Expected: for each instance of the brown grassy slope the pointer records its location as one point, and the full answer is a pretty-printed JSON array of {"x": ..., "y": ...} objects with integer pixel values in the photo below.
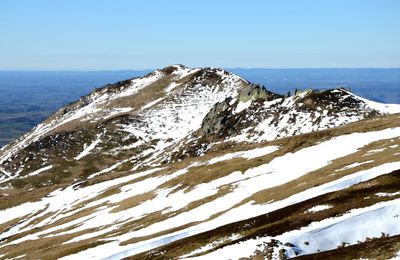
[
  {"x": 285, "y": 219},
  {"x": 378, "y": 248},
  {"x": 287, "y": 145}
]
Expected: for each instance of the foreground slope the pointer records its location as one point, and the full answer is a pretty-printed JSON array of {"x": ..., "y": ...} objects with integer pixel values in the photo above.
[
  {"x": 301, "y": 184},
  {"x": 200, "y": 163}
]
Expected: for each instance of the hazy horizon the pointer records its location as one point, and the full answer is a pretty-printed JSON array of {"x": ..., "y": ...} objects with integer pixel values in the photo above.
[
  {"x": 225, "y": 68},
  {"x": 117, "y": 35}
]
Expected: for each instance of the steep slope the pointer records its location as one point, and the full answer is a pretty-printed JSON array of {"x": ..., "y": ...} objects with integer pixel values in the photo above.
[
  {"x": 135, "y": 121},
  {"x": 257, "y": 115},
  {"x": 285, "y": 179},
  {"x": 146, "y": 114},
  {"x": 259, "y": 119},
  {"x": 199, "y": 162}
]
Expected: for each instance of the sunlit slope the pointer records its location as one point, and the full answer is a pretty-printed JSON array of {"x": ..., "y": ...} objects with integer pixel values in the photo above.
[
  {"x": 201, "y": 163},
  {"x": 305, "y": 183}
]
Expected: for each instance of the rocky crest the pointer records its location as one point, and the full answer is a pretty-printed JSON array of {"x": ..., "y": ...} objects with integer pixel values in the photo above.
[
  {"x": 199, "y": 162},
  {"x": 146, "y": 121}
]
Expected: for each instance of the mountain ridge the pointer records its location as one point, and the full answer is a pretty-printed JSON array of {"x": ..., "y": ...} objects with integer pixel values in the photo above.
[
  {"x": 125, "y": 98},
  {"x": 142, "y": 163}
]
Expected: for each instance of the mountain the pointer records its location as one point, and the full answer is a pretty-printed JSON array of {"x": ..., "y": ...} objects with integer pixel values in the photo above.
[{"x": 202, "y": 163}]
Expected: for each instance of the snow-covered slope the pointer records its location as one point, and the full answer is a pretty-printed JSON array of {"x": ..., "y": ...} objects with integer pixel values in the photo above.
[
  {"x": 191, "y": 163},
  {"x": 151, "y": 112},
  {"x": 156, "y": 118},
  {"x": 257, "y": 119},
  {"x": 146, "y": 210}
]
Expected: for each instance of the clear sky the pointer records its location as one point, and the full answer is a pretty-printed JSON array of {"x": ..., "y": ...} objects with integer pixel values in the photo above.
[{"x": 141, "y": 34}]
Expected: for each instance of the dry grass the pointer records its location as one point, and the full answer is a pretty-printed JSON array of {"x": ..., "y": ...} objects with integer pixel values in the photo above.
[
  {"x": 133, "y": 201},
  {"x": 47, "y": 248},
  {"x": 330, "y": 173},
  {"x": 273, "y": 223},
  {"x": 378, "y": 248},
  {"x": 283, "y": 220}
]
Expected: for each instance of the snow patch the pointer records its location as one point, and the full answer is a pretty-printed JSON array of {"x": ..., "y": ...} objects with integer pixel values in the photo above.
[
  {"x": 152, "y": 103},
  {"x": 353, "y": 165},
  {"x": 88, "y": 148},
  {"x": 349, "y": 228},
  {"x": 385, "y": 194},
  {"x": 39, "y": 171},
  {"x": 242, "y": 106},
  {"x": 249, "y": 154},
  {"x": 319, "y": 208}
]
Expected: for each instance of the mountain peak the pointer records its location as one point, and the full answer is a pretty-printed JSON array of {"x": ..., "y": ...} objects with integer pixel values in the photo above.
[
  {"x": 173, "y": 68},
  {"x": 200, "y": 155},
  {"x": 159, "y": 111},
  {"x": 159, "y": 108}
]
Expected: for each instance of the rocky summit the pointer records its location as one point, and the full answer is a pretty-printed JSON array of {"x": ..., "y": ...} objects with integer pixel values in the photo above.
[{"x": 200, "y": 163}]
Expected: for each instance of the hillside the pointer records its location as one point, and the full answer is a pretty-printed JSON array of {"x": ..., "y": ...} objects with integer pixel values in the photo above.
[{"x": 201, "y": 163}]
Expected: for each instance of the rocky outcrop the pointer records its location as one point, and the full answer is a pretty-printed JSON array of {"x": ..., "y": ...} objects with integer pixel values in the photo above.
[
  {"x": 223, "y": 119},
  {"x": 174, "y": 113}
]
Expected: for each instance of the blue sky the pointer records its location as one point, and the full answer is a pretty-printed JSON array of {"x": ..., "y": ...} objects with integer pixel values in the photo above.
[{"x": 141, "y": 34}]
